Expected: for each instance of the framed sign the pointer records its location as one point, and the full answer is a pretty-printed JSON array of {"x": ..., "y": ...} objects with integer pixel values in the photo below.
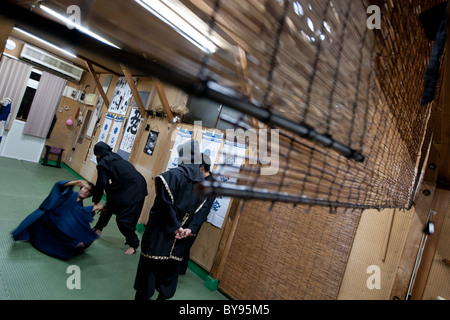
[{"x": 151, "y": 142}]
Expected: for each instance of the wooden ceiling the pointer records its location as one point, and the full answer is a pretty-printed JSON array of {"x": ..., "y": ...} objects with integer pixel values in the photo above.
[
  {"x": 245, "y": 53},
  {"x": 128, "y": 25}
]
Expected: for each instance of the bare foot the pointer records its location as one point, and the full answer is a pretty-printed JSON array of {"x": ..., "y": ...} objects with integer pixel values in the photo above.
[
  {"x": 98, "y": 232},
  {"x": 130, "y": 251}
]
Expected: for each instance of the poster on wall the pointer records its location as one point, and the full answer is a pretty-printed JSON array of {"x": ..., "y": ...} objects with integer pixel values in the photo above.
[
  {"x": 95, "y": 118},
  {"x": 114, "y": 132},
  {"x": 210, "y": 145},
  {"x": 103, "y": 133},
  {"x": 231, "y": 159},
  {"x": 129, "y": 134},
  {"x": 122, "y": 97},
  {"x": 151, "y": 142},
  {"x": 97, "y": 114},
  {"x": 183, "y": 136},
  {"x": 105, "y": 128},
  {"x": 132, "y": 127}
]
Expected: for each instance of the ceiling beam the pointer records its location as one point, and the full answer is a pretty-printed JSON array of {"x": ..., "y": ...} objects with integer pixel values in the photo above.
[
  {"x": 162, "y": 96},
  {"x": 134, "y": 90},
  {"x": 99, "y": 66},
  {"x": 444, "y": 123},
  {"x": 6, "y": 26},
  {"x": 97, "y": 82}
]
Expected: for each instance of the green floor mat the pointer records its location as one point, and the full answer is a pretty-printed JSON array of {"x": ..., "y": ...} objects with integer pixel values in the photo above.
[{"x": 105, "y": 272}]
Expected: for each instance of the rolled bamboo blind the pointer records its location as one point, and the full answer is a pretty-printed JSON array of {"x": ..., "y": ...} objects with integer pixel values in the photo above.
[
  {"x": 373, "y": 81},
  {"x": 320, "y": 65},
  {"x": 336, "y": 89}
]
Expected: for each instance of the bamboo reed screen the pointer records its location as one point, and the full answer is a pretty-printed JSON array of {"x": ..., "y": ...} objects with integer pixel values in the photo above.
[
  {"x": 284, "y": 253},
  {"x": 346, "y": 98},
  {"x": 319, "y": 65},
  {"x": 362, "y": 87}
]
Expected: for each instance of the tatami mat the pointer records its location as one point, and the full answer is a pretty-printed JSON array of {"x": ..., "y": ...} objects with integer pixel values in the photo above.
[{"x": 27, "y": 274}]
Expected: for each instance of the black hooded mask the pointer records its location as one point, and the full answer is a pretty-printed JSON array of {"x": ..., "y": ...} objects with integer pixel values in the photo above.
[
  {"x": 123, "y": 184},
  {"x": 105, "y": 153},
  {"x": 101, "y": 149},
  {"x": 189, "y": 160}
]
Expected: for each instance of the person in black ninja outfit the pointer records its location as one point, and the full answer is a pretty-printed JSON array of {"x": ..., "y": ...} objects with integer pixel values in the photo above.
[
  {"x": 125, "y": 190},
  {"x": 196, "y": 221},
  {"x": 171, "y": 218}
]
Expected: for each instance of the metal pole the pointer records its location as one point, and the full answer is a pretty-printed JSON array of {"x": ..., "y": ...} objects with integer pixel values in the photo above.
[{"x": 208, "y": 188}]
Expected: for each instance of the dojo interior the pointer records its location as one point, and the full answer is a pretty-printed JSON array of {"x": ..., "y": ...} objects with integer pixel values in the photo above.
[{"x": 328, "y": 225}]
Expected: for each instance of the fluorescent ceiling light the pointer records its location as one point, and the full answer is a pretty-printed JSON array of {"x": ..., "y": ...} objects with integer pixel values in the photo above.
[
  {"x": 172, "y": 15},
  {"x": 77, "y": 26},
  {"x": 70, "y": 54},
  {"x": 10, "y": 44}
]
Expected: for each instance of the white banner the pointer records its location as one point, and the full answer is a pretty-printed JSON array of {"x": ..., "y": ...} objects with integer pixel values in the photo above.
[
  {"x": 103, "y": 133},
  {"x": 210, "y": 146},
  {"x": 231, "y": 158},
  {"x": 105, "y": 128},
  {"x": 131, "y": 129},
  {"x": 182, "y": 137},
  {"x": 121, "y": 98},
  {"x": 114, "y": 132}
]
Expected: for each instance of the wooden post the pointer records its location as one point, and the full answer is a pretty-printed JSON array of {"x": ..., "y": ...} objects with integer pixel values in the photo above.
[
  {"x": 97, "y": 82},
  {"x": 6, "y": 26},
  {"x": 227, "y": 237},
  {"x": 440, "y": 205},
  {"x": 140, "y": 105},
  {"x": 387, "y": 235},
  {"x": 134, "y": 90}
]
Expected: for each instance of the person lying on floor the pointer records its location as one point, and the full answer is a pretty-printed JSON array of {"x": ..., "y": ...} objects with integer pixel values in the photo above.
[{"x": 60, "y": 227}]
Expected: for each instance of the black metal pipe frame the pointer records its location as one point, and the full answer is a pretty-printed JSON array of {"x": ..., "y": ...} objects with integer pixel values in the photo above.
[
  {"x": 90, "y": 48},
  {"x": 215, "y": 188}
]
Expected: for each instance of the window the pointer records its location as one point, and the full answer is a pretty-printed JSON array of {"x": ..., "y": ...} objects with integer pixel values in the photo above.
[{"x": 28, "y": 96}]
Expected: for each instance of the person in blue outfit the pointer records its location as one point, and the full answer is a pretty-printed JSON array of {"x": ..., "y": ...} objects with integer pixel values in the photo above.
[
  {"x": 5, "y": 109},
  {"x": 60, "y": 227}
]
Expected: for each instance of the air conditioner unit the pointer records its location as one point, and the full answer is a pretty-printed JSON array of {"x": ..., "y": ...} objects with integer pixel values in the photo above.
[{"x": 51, "y": 62}]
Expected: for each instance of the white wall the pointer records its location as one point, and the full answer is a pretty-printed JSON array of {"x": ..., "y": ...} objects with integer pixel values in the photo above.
[{"x": 19, "y": 146}]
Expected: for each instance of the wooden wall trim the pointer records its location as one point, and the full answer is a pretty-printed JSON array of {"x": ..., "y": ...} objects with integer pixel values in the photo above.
[
  {"x": 440, "y": 205},
  {"x": 6, "y": 26},
  {"x": 229, "y": 228},
  {"x": 163, "y": 99},
  {"x": 134, "y": 90},
  {"x": 97, "y": 82}
]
